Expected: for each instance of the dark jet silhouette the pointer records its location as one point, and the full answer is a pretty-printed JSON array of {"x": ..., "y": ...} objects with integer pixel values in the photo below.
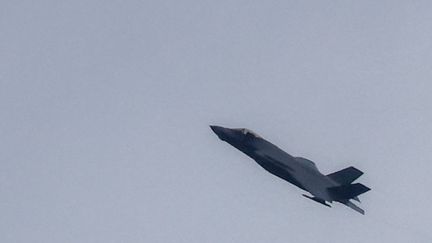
[{"x": 299, "y": 171}]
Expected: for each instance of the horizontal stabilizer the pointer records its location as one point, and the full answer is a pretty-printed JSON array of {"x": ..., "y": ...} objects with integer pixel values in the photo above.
[
  {"x": 348, "y": 191},
  {"x": 346, "y": 176},
  {"x": 355, "y": 207}
]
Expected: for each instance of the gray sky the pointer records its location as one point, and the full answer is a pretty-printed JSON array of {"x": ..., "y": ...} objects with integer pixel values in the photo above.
[{"x": 105, "y": 107}]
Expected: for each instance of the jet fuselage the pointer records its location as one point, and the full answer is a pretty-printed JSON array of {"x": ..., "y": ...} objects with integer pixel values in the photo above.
[{"x": 298, "y": 171}]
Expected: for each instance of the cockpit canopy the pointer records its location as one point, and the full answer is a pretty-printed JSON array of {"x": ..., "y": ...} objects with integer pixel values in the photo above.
[
  {"x": 306, "y": 162},
  {"x": 246, "y": 131}
]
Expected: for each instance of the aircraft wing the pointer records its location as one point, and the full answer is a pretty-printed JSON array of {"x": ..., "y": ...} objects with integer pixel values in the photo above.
[
  {"x": 348, "y": 191},
  {"x": 344, "y": 193}
]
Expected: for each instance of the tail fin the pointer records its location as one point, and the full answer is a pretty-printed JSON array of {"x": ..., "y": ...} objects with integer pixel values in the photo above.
[
  {"x": 346, "y": 176},
  {"x": 348, "y": 191}
]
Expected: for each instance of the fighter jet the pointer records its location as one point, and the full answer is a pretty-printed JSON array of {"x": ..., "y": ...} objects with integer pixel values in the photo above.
[{"x": 335, "y": 187}]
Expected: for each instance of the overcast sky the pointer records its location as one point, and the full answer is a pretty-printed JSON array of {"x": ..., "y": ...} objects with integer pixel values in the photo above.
[{"x": 105, "y": 107}]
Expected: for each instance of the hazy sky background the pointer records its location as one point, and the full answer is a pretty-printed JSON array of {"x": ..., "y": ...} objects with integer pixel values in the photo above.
[{"x": 105, "y": 107}]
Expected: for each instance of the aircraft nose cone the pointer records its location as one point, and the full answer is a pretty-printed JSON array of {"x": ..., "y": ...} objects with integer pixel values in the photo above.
[
  {"x": 222, "y": 132},
  {"x": 217, "y": 129}
]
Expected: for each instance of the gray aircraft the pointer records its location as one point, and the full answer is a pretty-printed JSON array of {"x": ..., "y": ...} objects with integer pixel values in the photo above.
[{"x": 299, "y": 171}]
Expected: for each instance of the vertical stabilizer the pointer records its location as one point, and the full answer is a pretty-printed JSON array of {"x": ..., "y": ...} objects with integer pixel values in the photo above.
[{"x": 346, "y": 176}]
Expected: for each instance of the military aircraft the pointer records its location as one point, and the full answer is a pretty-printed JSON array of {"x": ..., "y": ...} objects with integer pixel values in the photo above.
[{"x": 335, "y": 187}]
